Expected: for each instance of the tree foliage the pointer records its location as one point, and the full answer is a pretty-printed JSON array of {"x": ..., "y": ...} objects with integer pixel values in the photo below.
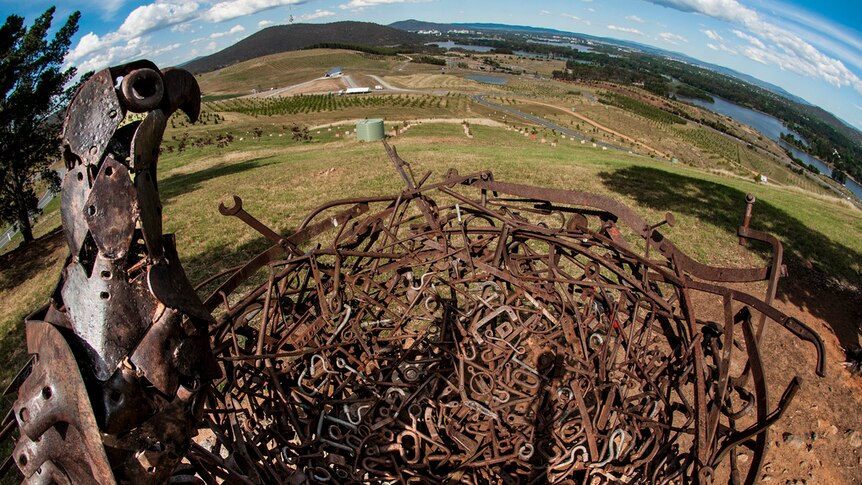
[{"x": 33, "y": 94}]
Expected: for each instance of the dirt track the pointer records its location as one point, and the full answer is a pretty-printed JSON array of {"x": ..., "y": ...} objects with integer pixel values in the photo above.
[{"x": 601, "y": 127}]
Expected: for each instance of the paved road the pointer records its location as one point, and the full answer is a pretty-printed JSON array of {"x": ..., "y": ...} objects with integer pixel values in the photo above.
[
  {"x": 480, "y": 98},
  {"x": 46, "y": 198}
]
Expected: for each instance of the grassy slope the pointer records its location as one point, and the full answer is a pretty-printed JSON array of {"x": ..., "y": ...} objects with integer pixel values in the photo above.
[
  {"x": 280, "y": 70},
  {"x": 299, "y": 177}
]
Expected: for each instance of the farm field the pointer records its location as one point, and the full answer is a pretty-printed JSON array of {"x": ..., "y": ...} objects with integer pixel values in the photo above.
[
  {"x": 280, "y": 70},
  {"x": 285, "y": 155}
]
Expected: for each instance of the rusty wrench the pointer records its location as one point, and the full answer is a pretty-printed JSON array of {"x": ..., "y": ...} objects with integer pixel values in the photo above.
[{"x": 238, "y": 211}]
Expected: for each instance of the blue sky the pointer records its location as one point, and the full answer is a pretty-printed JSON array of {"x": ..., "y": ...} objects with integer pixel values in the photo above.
[{"x": 811, "y": 48}]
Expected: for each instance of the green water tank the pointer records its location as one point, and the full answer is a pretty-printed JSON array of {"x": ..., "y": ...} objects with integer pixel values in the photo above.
[{"x": 370, "y": 130}]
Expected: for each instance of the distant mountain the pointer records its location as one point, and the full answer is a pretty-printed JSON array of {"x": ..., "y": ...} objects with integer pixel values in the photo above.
[
  {"x": 282, "y": 38},
  {"x": 414, "y": 25},
  {"x": 513, "y": 28},
  {"x": 733, "y": 73}
]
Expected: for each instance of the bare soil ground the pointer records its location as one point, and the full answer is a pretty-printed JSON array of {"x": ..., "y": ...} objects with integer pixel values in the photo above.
[
  {"x": 315, "y": 87},
  {"x": 818, "y": 440}
]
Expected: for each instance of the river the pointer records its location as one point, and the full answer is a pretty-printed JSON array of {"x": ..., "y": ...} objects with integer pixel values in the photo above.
[{"x": 771, "y": 127}]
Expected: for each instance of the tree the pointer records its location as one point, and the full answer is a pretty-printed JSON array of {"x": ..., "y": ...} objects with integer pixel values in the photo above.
[{"x": 33, "y": 95}]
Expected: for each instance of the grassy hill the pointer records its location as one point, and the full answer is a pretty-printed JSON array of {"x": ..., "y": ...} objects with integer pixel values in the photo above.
[
  {"x": 288, "y": 68},
  {"x": 283, "y": 38}
]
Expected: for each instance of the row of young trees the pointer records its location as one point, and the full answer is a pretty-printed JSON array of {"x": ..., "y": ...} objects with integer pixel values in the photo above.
[
  {"x": 314, "y": 103},
  {"x": 34, "y": 90}
]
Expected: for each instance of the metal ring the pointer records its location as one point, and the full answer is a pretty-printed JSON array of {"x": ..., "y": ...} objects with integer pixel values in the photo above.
[{"x": 142, "y": 90}]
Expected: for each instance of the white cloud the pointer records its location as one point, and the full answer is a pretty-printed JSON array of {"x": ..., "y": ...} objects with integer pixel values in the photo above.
[
  {"x": 544, "y": 12},
  {"x": 233, "y": 30},
  {"x": 231, "y": 9},
  {"x": 95, "y": 52},
  {"x": 833, "y": 37},
  {"x": 358, "y": 4},
  {"x": 727, "y": 10},
  {"x": 109, "y": 7},
  {"x": 264, "y": 23},
  {"x": 712, "y": 35},
  {"x": 625, "y": 29},
  {"x": 88, "y": 44},
  {"x": 184, "y": 28},
  {"x": 635, "y": 18},
  {"x": 750, "y": 38},
  {"x": 121, "y": 52},
  {"x": 591, "y": 9},
  {"x": 156, "y": 16},
  {"x": 770, "y": 44},
  {"x": 759, "y": 55},
  {"x": 113, "y": 55},
  {"x": 317, "y": 14},
  {"x": 131, "y": 39},
  {"x": 722, "y": 47},
  {"x": 672, "y": 38},
  {"x": 165, "y": 49},
  {"x": 576, "y": 18}
]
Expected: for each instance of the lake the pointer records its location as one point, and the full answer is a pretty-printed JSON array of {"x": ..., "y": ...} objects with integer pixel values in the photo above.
[
  {"x": 452, "y": 45},
  {"x": 488, "y": 79},
  {"x": 771, "y": 127},
  {"x": 577, "y": 47},
  {"x": 481, "y": 48}
]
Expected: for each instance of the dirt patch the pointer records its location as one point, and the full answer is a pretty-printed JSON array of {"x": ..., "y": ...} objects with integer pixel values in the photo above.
[
  {"x": 819, "y": 438},
  {"x": 320, "y": 86},
  {"x": 315, "y": 86}
]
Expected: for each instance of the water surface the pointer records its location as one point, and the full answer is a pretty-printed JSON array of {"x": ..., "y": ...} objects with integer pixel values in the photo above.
[
  {"x": 452, "y": 45},
  {"x": 488, "y": 79},
  {"x": 771, "y": 127}
]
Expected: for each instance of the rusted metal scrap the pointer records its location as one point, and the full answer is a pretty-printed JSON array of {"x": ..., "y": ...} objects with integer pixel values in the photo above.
[
  {"x": 463, "y": 330},
  {"x": 121, "y": 355}
]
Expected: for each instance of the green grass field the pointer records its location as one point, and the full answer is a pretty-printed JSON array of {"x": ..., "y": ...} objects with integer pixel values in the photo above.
[
  {"x": 300, "y": 176},
  {"x": 285, "y": 69}
]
